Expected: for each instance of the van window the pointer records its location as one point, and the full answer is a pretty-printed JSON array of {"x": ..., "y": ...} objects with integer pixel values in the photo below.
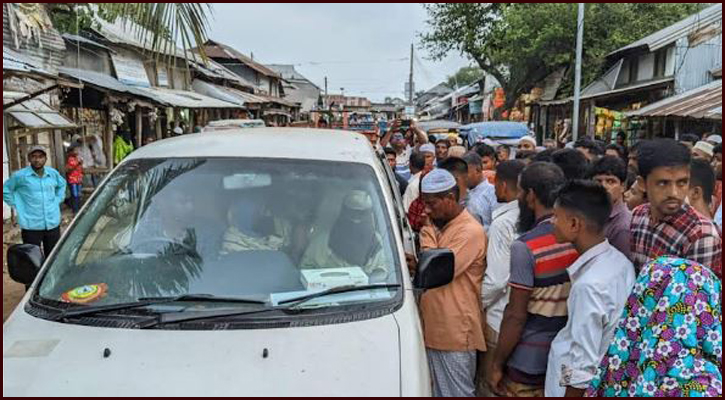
[{"x": 259, "y": 228}]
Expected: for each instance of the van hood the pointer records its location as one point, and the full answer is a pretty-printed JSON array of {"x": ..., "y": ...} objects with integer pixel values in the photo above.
[{"x": 43, "y": 358}]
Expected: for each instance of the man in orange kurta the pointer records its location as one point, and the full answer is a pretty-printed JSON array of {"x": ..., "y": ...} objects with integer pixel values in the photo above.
[{"x": 452, "y": 315}]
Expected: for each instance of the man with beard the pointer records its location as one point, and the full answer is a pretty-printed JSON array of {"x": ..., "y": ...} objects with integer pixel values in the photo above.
[
  {"x": 353, "y": 241},
  {"x": 452, "y": 317},
  {"x": 667, "y": 226},
  {"x": 539, "y": 287}
]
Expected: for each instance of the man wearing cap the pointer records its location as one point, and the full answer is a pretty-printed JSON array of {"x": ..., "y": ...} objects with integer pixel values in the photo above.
[
  {"x": 452, "y": 316},
  {"x": 36, "y": 193},
  {"x": 704, "y": 151},
  {"x": 527, "y": 143}
]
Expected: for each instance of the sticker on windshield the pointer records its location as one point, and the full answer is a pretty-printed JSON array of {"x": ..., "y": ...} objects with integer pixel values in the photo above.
[{"x": 85, "y": 294}]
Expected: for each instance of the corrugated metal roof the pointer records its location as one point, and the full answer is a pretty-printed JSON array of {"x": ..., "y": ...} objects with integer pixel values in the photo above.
[
  {"x": 644, "y": 85},
  {"x": 218, "y": 50},
  {"x": 84, "y": 41},
  {"x": 35, "y": 113},
  {"x": 97, "y": 79},
  {"x": 674, "y": 32},
  {"x": 46, "y": 51},
  {"x": 13, "y": 61},
  {"x": 697, "y": 103},
  {"x": 715, "y": 113},
  {"x": 183, "y": 99}
]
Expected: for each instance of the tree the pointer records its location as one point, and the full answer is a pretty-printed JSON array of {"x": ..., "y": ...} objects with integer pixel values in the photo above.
[
  {"x": 160, "y": 24},
  {"x": 521, "y": 44},
  {"x": 465, "y": 76}
]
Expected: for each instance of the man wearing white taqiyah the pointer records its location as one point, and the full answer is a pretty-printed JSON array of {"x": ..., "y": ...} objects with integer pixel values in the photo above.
[{"x": 452, "y": 316}]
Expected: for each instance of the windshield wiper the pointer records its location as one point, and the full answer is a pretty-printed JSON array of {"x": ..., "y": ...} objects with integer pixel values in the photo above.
[
  {"x": 337, "y": 290},
  {"x": 184, "y": 317},
  {"x": 146, "y": 302}
]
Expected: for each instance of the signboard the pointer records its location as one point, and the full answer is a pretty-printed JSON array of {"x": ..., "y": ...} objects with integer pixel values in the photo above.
[
  {"x": 130, "y": 70},
  {"x": 410, "y": 111},
  {"x": 163, "y": 76}
]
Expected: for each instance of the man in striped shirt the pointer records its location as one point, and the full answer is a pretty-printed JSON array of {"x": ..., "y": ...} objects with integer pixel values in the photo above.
[{"x": 539, "y": 285}]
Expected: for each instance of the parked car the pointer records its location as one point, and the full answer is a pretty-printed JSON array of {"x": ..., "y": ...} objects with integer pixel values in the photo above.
[
  {"x": 195, "y": 270},
  {"x": 233, "y": 124},
  {"x": 508, "y": 133}
]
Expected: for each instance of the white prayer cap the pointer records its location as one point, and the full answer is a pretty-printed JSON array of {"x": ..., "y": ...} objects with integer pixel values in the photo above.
[
  {"x": 715, "y": 139},
  {"x": 358, "y": 200},
  {"x": 437, "y": 181},
  {"x": 529, "y": 139},
  {"x": 428, "y": 148}
]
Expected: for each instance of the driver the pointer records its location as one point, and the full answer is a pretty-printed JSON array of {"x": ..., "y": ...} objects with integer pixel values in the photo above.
[
  {"x": 175, "y": 225},
  {"x": 352, "y": 241}
]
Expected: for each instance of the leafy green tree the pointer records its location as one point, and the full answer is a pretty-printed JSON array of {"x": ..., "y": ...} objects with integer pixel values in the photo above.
[
  {"x": 465, "y": 76},
  {"x": 521, "y": 44}
]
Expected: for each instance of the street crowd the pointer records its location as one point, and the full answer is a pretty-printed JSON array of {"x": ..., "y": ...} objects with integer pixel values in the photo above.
[
  {"x": 580, "y": 268},
  {"x": 589, "y": 269}
]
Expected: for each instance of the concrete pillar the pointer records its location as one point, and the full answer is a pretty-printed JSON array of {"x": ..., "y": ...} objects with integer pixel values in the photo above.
[{"x": 139, "y": 127}]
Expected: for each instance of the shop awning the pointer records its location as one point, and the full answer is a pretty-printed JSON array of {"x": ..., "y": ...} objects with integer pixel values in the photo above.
[
  {"x": 631, "y": 89},
  {"x": 697, "y": 103},
  {"x": 184, "y": 99},
  {"x": 35, "y": 113},
  {"x": 226, "y": 94}
]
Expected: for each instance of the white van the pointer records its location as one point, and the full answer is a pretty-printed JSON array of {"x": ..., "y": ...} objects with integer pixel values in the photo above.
[{"x": 207, "y": 265}]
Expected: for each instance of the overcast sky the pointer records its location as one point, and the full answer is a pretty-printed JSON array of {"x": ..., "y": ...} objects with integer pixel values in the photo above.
[{"x": 364, "y": 48}]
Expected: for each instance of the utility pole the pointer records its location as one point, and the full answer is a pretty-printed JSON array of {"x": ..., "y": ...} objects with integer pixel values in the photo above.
[
  {"x": 326, "y": 102},
  {"x": 410, "y": 81},
  {"x": 578, "y": 73}
]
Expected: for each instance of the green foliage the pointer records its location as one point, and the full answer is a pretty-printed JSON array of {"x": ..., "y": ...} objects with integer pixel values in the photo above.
[
  {"x": 521, "y": 44},
  {"x": 162, "y": 25},
  {"x": 465, "y": 76}
]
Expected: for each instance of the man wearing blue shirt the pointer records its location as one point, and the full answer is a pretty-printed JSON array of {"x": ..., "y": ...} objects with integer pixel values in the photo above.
[{"x": 36, "y": 192}]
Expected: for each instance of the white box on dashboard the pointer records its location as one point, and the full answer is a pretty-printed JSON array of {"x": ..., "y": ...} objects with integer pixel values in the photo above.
[{"x": 323, "y": 279}]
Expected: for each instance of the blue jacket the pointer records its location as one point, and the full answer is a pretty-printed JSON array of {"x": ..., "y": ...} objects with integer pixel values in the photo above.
[{"x": 36, "y": 200}]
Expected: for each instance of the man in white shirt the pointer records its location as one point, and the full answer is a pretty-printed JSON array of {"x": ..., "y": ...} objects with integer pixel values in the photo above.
[
  {"x": 601, "y": 280},
  {"x": 502, "y": 233},
  {"x": 418, "y": 169}
]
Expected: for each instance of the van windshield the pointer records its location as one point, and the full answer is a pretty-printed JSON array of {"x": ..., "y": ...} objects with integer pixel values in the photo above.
[{"x": 253, "y": 228}]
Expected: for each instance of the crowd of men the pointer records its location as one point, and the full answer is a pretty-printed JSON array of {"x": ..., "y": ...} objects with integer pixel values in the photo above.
[
  {"x": 555, "y": 254},
  {"x": 587, "y": 270}
]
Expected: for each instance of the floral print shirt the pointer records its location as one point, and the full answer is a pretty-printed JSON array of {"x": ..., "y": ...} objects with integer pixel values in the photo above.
[{"x": 669, "y": 340}]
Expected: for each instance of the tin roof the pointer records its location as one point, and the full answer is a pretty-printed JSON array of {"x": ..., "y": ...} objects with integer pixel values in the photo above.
[
  {"x": 697, "y": 103},
  {"x": 218, "y": 50},
  {"x": 16, "y": 62},
  {"x": 672, "y": 33},
  {"x": 45, "y": 50},
  {"x": 35, "y": 113}
]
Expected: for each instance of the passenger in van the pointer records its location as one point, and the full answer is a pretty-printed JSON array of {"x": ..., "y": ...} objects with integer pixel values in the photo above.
[{"x": 353, "y": 241}]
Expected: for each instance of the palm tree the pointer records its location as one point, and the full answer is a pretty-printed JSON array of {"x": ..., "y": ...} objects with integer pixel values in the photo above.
[
  {"x": 162, "y": 26},
  {"x": 166, "y": 23}
]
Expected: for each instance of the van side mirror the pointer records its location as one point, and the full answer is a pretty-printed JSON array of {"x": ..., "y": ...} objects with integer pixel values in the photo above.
[
  {"x": 24, "y": 263},
  {"x": 436, "y": 268}
]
